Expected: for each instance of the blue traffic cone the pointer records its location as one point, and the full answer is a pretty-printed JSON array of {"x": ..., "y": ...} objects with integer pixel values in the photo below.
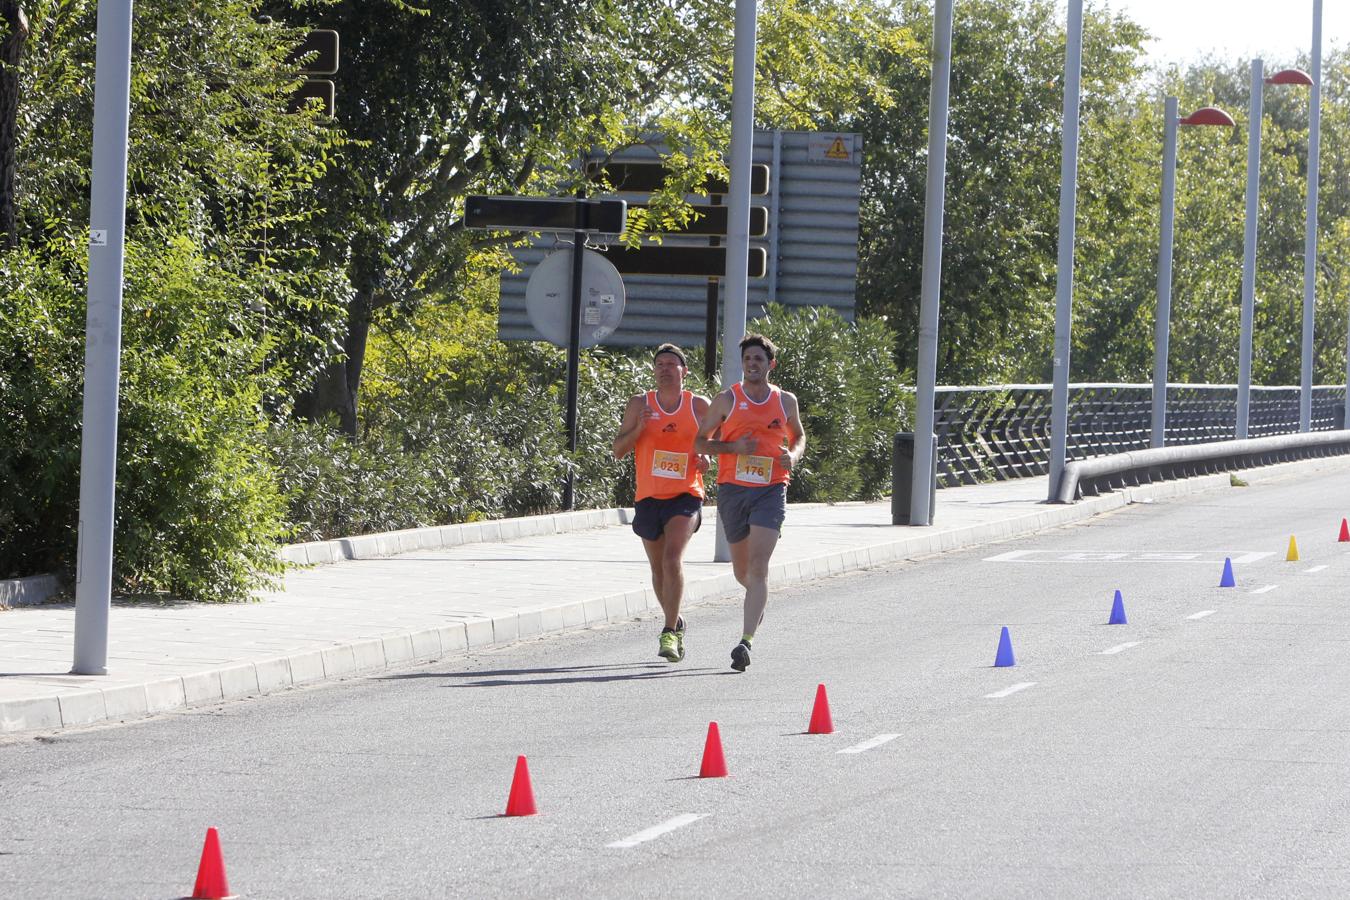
[
  {"x": 1118, "y": 612},
  {"x": 1227, "y": 579},
  {"x": 1004, "y": 657}
]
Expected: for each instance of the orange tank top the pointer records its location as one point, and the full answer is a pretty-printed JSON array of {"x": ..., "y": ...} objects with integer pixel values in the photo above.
[
  {"x": 665, "y": 451},
  {"x": 767, "y": 422}
]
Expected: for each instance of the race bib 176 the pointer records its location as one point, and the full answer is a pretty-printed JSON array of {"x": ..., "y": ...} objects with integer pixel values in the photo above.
[{"x": 754, "y": 469}]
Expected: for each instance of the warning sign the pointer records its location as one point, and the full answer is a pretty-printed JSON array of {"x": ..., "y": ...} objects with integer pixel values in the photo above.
[{"x": 831, "y": 148}]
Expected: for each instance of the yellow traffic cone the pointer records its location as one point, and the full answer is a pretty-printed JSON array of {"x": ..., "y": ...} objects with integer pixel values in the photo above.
[{"x": 1292, "y": 555}]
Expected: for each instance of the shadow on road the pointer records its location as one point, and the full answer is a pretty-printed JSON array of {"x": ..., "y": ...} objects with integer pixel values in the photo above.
[{"x": 566, "y": 675}]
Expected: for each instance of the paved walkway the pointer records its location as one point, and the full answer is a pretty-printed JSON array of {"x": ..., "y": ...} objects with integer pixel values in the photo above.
[{"x": 483, "y": 585}]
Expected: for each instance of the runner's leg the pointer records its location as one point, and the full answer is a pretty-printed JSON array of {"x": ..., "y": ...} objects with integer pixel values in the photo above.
[
  {"x": 656, "y": 551},
  {"x": 756, "y": 550},
  {"x": 678, "y": 532}
]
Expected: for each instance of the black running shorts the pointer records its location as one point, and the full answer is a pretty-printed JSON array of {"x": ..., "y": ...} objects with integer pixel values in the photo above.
[{"x": 652, "y": 514}]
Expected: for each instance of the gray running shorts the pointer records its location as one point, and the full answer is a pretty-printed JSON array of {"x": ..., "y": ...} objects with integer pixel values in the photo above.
[{"x": 739, "y": 507}]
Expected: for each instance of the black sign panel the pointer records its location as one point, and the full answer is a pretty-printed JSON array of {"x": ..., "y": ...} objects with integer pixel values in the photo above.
[
  {"x": 648, "y": 177},
  {"x": 321, "y": 48},
  {"x": 712, "y": 220},
  {"x": 544, "y": 214},
  {"x": 708, "y": 262},
  {"x": 313, "y": 89}
]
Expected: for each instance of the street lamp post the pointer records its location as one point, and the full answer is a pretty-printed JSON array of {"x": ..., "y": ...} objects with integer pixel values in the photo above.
[
  {"x": 930, "y": 289},
  {"x": 103, "y": 338},
  {"x": 1310, "y": 239},
  {"x": 1068, "y": 207},
  {"x": 1287, "y": 76},
  {"x": 1162, "y": 324},
  {"x": 736, "y": 297}
]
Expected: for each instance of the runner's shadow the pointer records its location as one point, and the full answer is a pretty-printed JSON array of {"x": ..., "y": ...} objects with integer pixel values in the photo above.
[
  {"x": 547, "y": 671},
  {"x": 598, "y": 679}
]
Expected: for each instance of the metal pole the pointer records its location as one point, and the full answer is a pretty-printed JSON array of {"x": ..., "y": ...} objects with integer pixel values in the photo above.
[
  {"x": 1249, "y": 250},
  {"x": 574, "y": 362},
  {"x": 1162, "y": 319},
  {"x": 738, "y": 209},
  {"x": 103, "y": 337},
  {"x": 930, "y": 289},
  {"x": 1068, "y": 202},
  {"x": 710, "y": 310},
  {"x": 1310, "y": 240}
]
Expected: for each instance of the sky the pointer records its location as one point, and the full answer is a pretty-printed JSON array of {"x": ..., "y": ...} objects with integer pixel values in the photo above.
[{"x": 1275, "y": 30}]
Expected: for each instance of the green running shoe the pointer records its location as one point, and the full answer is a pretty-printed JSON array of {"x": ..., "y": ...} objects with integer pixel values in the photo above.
[
  {"x": 679, "y": 636},
  {"x": 670, "y": 647}
]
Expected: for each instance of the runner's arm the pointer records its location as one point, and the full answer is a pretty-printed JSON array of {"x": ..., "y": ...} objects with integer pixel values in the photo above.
[
  {"x": 796, "y": 447},
  {"x": 701, "y": 460},
  {"x": 718, "y": 411},
  {"x": 631, "y": 426}
]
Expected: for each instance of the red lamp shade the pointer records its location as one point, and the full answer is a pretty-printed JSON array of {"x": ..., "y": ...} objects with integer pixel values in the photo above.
[
  {"x": 1208, "y": 115},
  {"x": 1291, "y": 76}
]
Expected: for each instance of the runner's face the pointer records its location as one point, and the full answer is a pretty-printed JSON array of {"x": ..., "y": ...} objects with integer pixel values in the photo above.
[
  {"x": 755, "y": 364},
  {"x": 669, "y": 371}
]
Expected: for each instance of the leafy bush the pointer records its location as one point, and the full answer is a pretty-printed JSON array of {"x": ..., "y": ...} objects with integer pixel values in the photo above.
[
  {"x": 459, "y": 426},
  {"x": 848, "y": 389},
  {"x": 198, "y": 513},
  {"x": 481, "y": 438}
]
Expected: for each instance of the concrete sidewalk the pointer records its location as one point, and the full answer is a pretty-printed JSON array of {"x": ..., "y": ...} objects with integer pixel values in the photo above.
[{"x": 489, "y": 584}]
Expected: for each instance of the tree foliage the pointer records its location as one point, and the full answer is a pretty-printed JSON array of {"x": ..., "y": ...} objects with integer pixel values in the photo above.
[{"x": 218, "y": 197}]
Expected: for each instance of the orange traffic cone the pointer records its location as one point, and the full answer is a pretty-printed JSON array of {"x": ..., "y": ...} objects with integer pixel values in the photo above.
[
  {"x": 714, "y": 762},
  {"x": 1345, "y": 532},
  {"x": 820, "y": 714},
  {"x": 211, "y": 883},
  {"x": 521, "y": 801}
]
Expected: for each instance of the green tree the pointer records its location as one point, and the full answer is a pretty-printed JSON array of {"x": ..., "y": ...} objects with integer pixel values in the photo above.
[
  {"x": 219, "y": 191},
  {"x": 1002, "y": 182}
]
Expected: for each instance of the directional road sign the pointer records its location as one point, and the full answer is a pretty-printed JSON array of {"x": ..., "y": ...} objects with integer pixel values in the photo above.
[
  {"x": 544, "y": 214},
  {"x": 708, "y": 262},
  {"x": 712, "y": 221},
  {"x": 646, "y": 177}
]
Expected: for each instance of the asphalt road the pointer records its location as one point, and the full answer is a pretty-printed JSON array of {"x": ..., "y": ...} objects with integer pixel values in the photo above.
[{"x": 1202, "y": 750}]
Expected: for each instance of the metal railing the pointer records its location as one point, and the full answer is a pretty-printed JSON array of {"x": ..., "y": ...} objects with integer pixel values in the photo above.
[{"x": 999, "y": 432}]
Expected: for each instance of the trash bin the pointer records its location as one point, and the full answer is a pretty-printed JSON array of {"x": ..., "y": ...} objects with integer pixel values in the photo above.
[{"x": 902, "y": 479}]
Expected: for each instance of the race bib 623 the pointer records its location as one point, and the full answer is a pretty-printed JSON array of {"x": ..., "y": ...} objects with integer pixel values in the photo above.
[{"x": 666, "y": 464}]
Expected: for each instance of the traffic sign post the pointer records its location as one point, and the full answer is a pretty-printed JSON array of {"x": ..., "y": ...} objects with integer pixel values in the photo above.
[
  {"x": 579, "y": 216},
  {"x": 810, "y": 242},
  {"x": 711, "y": 219}
]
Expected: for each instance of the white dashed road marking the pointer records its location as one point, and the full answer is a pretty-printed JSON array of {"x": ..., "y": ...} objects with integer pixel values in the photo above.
[
  {"x": 999, "y": 695},
  {"x": 869, "y": 744},
  {"x": 1009, "y": 556},
  {"x": 1316, "y": 569},
  {"x": 1262, "y": 590},
  {"x": 1208, "y": 557},
  {"x": 1110, "y": 651},
  {"x": 1202, "y": 613},
  {"x": 657, "y": 830}
]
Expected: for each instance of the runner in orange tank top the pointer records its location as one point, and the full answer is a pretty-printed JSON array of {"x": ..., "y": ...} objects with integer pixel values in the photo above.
[
  {"x": 660, "y": 427},
  {"x": 756, "y": 430}
]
